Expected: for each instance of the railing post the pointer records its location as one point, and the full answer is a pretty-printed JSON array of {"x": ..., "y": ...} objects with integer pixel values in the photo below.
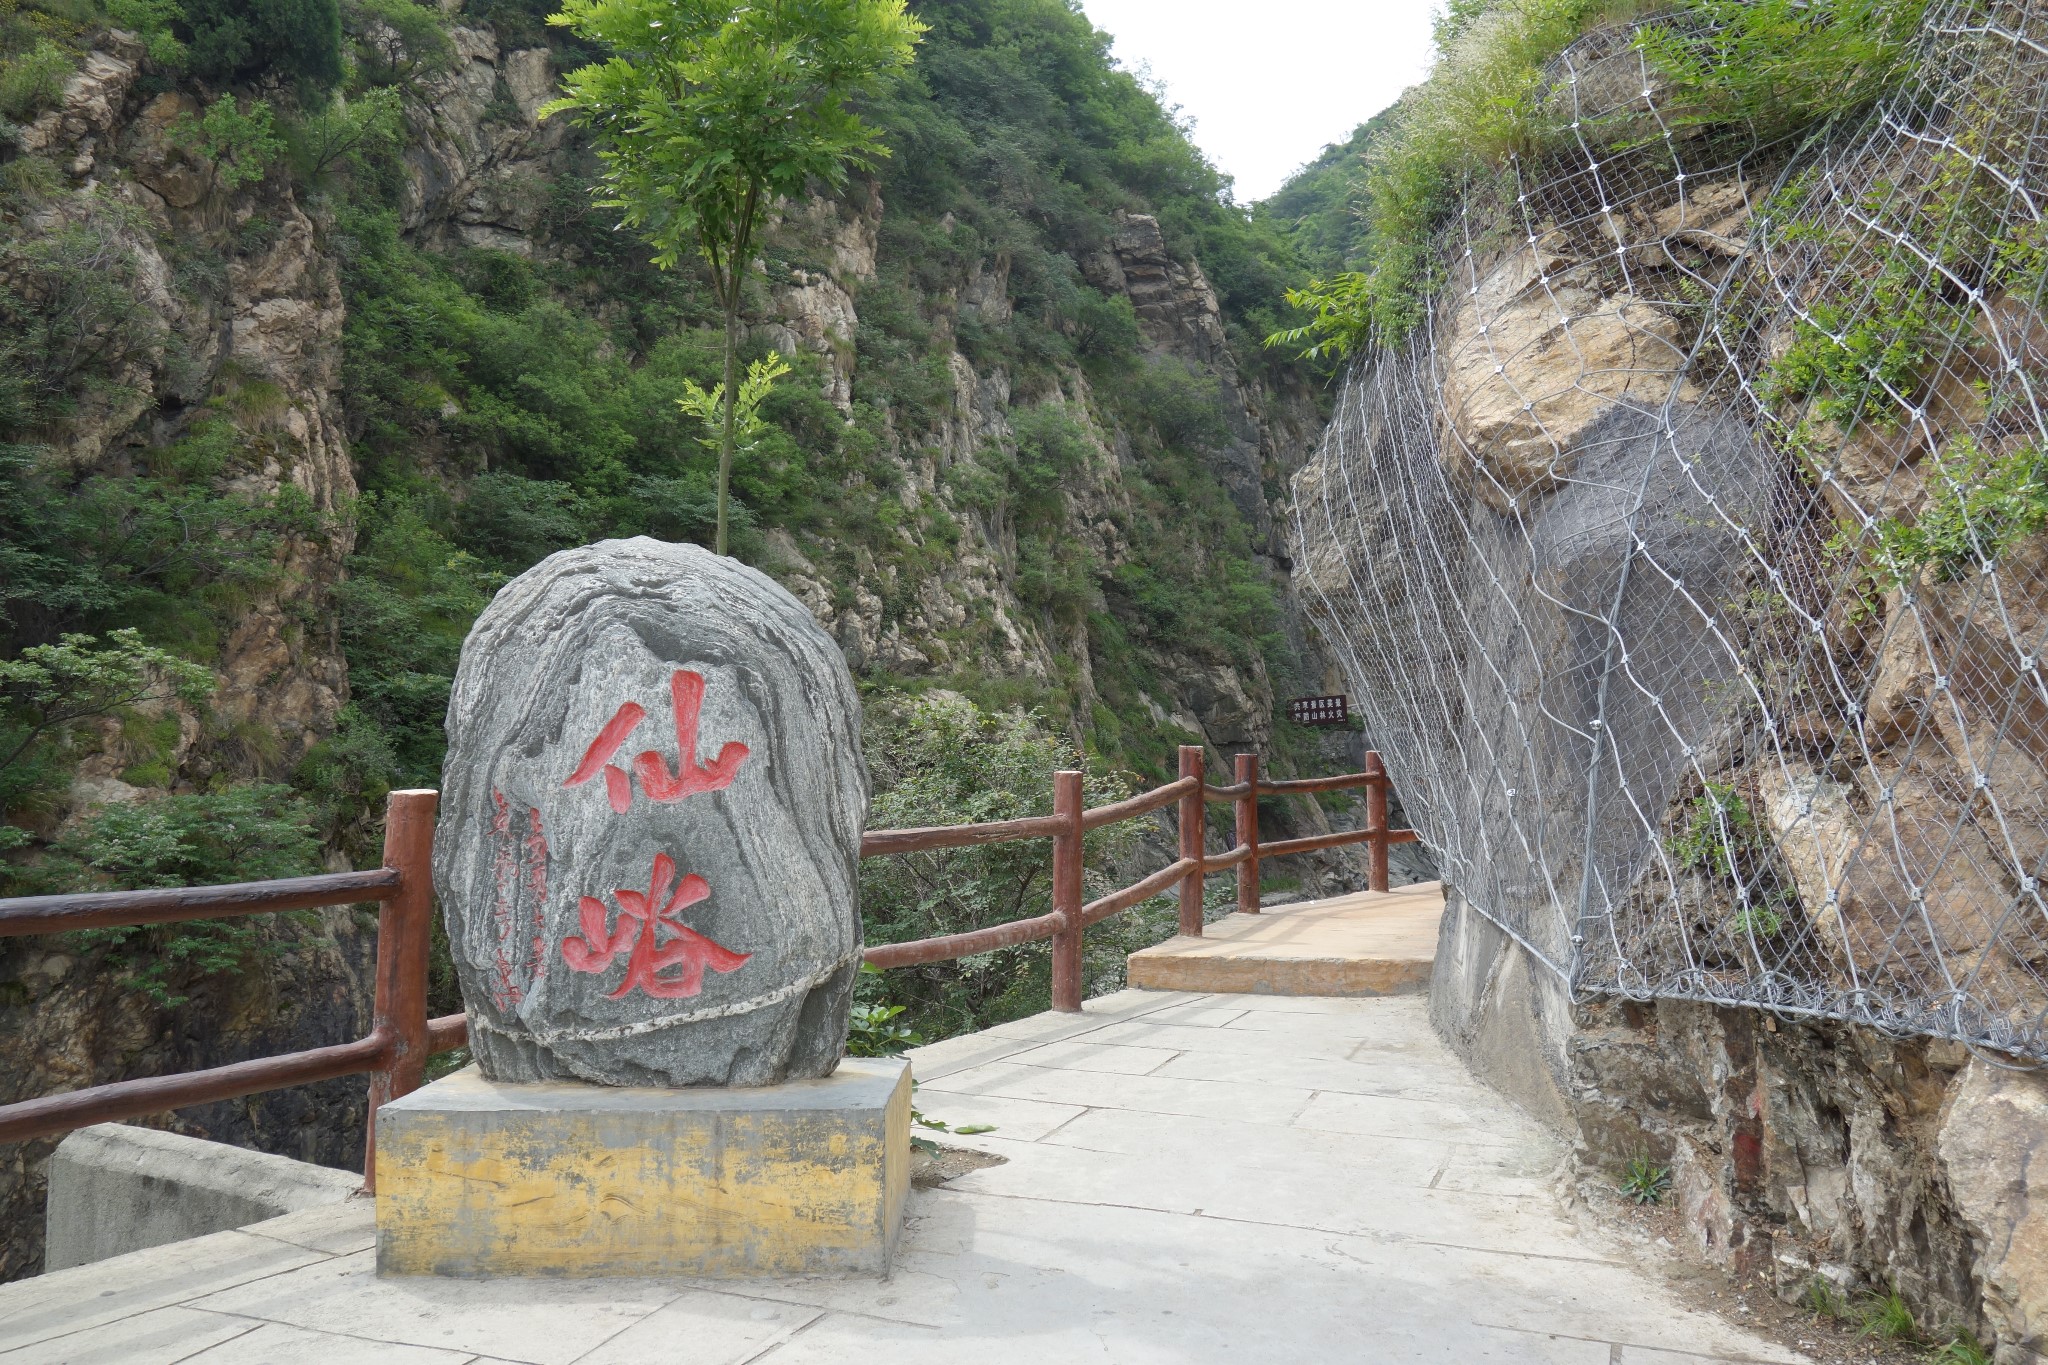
[
  {"x": 1248, "y": 834},
  {"x": 404, "y": 930},
  {"x": 1066, "y": 892},
  {"x": 1376, "y": 818},
  {"x": 1193, "y": 819}
]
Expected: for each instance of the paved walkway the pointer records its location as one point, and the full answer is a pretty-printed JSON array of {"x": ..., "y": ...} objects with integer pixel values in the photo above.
[
  {"x": 1367, "y": 943},
  {"x": 1189, "y": 1179}
]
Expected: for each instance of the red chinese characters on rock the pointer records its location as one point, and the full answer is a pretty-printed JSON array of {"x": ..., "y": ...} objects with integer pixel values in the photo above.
[
  {"x": 519, "y": 872},
  {"x": 672, "y": 969},
  {"x": 643, "y": 918},
  {"x": 686, "y": 691}
]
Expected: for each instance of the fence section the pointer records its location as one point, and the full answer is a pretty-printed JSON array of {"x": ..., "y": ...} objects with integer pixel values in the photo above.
[{"x": 401, "y": 1038}]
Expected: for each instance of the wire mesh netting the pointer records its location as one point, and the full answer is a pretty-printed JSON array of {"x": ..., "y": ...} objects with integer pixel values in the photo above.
[{"x": 1687, "y": 562}]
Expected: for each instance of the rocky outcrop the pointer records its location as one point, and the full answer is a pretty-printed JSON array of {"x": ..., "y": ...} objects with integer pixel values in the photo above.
[
  {"x": 732, "y": 961},
  {"x": 1703, "y": 694}
]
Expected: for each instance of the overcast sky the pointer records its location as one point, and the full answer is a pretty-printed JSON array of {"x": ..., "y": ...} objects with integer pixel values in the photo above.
[{"x": 1269, "y": 83}]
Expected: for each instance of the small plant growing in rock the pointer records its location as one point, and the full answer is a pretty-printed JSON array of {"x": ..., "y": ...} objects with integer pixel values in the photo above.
[
  {"x": 1645, "y": 1182},
  {"x": 1825, "y": 1299},
  {"x": 919, "y": 1119},
  {"x": 1887, "y": 1317},
  {"x": 1961, "y": 1349}
]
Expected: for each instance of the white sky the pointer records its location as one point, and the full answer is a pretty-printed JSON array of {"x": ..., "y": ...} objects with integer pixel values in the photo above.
[{"x": 1270, "y": 83}]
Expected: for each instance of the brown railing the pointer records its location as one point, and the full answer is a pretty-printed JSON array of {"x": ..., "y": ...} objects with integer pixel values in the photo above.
[
  {"x": 1069, "y": 918},
  {"x": 402, "y": 1037}
]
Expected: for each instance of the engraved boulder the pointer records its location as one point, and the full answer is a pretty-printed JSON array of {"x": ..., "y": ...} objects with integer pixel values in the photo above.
[{"x": 650, "y": 828}]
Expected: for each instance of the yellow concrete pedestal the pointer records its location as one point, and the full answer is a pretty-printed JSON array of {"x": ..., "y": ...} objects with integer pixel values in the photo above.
[{"x": 477, "y": 1179}]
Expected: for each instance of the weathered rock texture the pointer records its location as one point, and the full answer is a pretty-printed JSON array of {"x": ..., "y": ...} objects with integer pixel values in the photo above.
[
  {"x": 1695, "y": 682},
  {"x": 651, "y": 816},
  {"x": 1797, "y": 1149}
]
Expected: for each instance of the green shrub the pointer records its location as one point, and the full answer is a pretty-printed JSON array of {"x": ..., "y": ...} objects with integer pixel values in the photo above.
[
  {"x": 346, "y": 133},
  {"x": 1978, "y": 504},
  {"x": 1483, "y": 103},
  {"x": 48, "y": 689},
  {"x": 406, "y": 606},
  {"x": 397, "y": 41},
  {"x": 247, "y": 833},
  {"x": 1781, "y": 65},
  {"x": 239, "y": 40},
  {"x": 1775, "y": 65},
  {"x": 32, "y": 81},
  {"x": 241, "y": 141}
]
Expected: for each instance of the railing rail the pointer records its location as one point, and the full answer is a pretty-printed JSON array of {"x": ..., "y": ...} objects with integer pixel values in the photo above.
[
  {"x": 1070, "y": 822},
  {"x": 394, "y": 1053}
]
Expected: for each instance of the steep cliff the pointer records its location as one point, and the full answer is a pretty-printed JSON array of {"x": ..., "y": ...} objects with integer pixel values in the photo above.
[
  {"x": 1681, "y": 527},
  {"x": 302, "y": 366}
]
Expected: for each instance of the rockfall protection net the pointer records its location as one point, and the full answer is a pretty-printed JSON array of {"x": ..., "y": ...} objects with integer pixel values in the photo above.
[{"x": 1688, "y": 562}]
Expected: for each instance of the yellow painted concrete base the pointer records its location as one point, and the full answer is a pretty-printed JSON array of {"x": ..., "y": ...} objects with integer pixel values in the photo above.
[
  {"x": 1363, "y": 944},
  {"x": 475, "y": 1178}
]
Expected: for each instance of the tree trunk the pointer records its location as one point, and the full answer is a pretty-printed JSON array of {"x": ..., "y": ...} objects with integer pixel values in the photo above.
[{"x": 732, "y": 398}]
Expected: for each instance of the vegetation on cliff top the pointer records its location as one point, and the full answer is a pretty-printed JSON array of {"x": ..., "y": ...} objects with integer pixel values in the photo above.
[{"x": 1770, "y": 66}]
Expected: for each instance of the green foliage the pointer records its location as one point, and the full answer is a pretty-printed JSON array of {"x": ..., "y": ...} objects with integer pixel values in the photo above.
[
  {"x": 240, "y": 141},
  {"x": 1721, "y": 838},
  {"x": 872, "y": 1031},
  {"x": 72, "y": 315},
  {"x": 1719, "y": 831},
  {"x": 240, "y": 40},
  {"x": 32, "y": 81},
  {"x": 1643, "y": 1181},
  {"x": 749, "y": 428},
  {"x": 1886, "y": 1316},
  {"x": 1321, "y": 210},
  {"x": 48, "y": 689},
  {"x": 155, "y": 22},
  {"x": 406, "y": 606},
  {"x": 1980, "y": 502},
  {"x": 1960, "y": 1349},
  {"x": 1777, "y": 65},
  {"x": 1782, "y": 65},
  {"x": 171, "y": 548},
  {"x": 346, "y": 133},
  {"x": 397, "y": 41},
  {"x": 1482, "y": 105},
  {"x": 1824, "y": 1300},
  {"x": 942, "y": 760},
  {"x": 246, "y": 833},
  {"x": 707, "y": 113}
]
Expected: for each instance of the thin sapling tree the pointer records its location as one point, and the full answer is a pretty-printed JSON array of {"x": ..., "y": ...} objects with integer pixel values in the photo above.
[{"x": 709, "y": 111}]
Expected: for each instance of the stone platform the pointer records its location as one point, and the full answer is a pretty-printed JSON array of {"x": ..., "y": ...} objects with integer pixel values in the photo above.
[
  {"x": 1191, "y": 1180},
  {"x": 477, "y": 1178},
  {"x": 1358, "y": 945}
]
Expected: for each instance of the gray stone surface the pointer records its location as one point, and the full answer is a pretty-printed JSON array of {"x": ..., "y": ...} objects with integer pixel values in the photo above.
[
  {"x": 575, "y": 806},
  {"x": 1506, "y": 1015},
  {"x": 1126, "y": 1233},
  {"x": 116, "y": 1189}
]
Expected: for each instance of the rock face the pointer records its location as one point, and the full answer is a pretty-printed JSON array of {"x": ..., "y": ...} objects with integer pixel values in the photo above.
[{"x": 623, "y": 909}]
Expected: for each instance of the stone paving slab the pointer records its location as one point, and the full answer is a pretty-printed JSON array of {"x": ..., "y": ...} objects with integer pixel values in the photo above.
[
  {"x": 1189, "y": 1179},
  {"x": 1365, "y": 944}
]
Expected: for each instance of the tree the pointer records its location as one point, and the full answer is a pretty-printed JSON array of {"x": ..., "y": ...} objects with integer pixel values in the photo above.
[
  {"x": 51, "y": 688},
  {"x": 710, "y": 110}
]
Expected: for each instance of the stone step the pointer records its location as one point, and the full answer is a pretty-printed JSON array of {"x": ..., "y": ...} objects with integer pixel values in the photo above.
[{"x": 1363, "y": 944}]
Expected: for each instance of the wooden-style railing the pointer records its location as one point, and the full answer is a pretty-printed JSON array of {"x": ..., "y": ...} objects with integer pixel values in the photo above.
[
  {"x": 401, "y": 1038},
  {"x": 1069, "y": 918}
]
